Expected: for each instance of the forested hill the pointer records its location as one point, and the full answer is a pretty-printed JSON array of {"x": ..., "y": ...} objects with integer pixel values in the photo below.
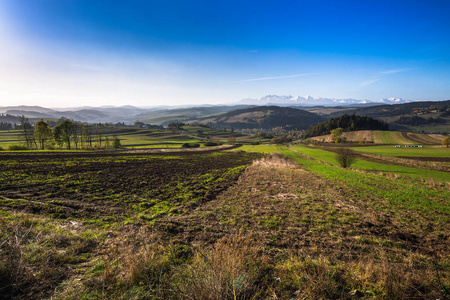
[
  {"x": 348, "y": 123},
  {"x": 262, "y": 117},
  {"x": 394, "y": 110}
]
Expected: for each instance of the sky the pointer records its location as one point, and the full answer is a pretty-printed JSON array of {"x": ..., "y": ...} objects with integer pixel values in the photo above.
[{"x": 68, "y": 53}]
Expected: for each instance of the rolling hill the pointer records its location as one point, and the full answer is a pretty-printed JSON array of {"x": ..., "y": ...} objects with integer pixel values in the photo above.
[
  {"x": 166, "y": 116},
  {"x": 385, "y": 137},
  {"x": 347, "y": 123},
  {"x": 127, "y": 114},
  {"x": 262, "y": 117},
  {"x": 429, "y": 116}
]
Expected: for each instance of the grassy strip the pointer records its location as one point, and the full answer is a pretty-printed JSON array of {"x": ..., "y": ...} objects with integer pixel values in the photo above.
[
  {"x": 261, "y": 148},
  {"x": 399, "y": 139},
  {"x": 329, "y": 157},
  {"x": 400, "y": 193},
  {"x": 427, "y": 151}
]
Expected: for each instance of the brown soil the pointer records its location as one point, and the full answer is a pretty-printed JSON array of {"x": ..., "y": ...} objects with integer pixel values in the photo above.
[
  {"x": 214, "y": 148},
  {"x": 423, "y": 158},
  {"x": 108, "y": 184},
  {"x": 416, "y": 139}
]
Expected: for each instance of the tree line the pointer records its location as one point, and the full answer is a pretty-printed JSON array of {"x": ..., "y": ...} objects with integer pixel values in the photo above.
[
  {"x": 6, "y": 126},
  {"x": 347, "y": 123},
  {"x": 68, "y": 134},
  {"x": 417, "y": 121}
]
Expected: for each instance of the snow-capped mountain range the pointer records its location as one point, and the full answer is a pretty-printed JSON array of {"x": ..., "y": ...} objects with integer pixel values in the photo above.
[{"x": 312, "y": 101}]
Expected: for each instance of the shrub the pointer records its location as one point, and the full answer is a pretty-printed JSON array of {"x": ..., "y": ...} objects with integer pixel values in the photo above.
[
  {"x": 210, "y": 144},
  {"x": 1, "y": 148},
  {"x": 345, "y": 157},
  {"x": 190, "y": 145},
  {"x": 116, "y": 143},
  {"x": 446, "y": 141},
  {"x": 17, "y": 147}
]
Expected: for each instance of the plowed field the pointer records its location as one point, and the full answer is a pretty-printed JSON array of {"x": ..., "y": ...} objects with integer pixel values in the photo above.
[{"x": 68, "y": 185}]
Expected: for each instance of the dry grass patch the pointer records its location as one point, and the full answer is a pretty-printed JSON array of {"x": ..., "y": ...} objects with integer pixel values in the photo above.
[{"x": 36, "y": 255}]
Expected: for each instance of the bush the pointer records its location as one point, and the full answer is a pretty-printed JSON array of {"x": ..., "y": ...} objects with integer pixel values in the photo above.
[
  {"x": 446, "y": 141},
  {"x": 1, "y": 148},
  {"x": 345, "y": 157},
  {"x": 17, "y": 147},
  {"x": 116, "y": 143},
  {"x": 211, "y": 144},
  {"x": 255, "y": 143},
  {"x": 190, "y": 145}
]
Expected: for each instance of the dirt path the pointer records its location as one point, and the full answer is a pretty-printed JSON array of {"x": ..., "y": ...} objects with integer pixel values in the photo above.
[
  {"x": 215, "y": 148},
  {"x": 292, "y": 209},
  {"x": 423, "y": 158}
]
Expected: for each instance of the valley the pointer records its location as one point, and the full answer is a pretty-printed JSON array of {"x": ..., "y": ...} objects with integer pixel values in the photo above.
[{"x": 253, "y": 221}]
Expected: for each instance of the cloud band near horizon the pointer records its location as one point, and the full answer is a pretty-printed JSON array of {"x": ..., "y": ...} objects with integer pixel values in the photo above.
[{"x": 279, "y": 77}]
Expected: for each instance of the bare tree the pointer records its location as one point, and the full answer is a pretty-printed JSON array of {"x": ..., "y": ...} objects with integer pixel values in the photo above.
[
  {"x": 87, "y": 135},
  {"x": 345, "y": 157},
  {"x": 26, "y": 133},
  {"x": 76, "y": 134},
  {"x": 99, "y": 138}
]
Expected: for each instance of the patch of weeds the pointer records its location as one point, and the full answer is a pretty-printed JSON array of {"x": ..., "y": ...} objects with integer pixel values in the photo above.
[{"x": 271, "y": 222}]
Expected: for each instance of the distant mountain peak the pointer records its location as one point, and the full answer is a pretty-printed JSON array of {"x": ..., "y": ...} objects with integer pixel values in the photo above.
[
  {"x": 393, "y": 100},
  {"x": 309, "y": 100}
]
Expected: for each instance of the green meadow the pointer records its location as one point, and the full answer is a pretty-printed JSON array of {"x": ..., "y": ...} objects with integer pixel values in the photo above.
[
  {"x": 360, "y": 164},
  {"x": 426, "y": 151}
]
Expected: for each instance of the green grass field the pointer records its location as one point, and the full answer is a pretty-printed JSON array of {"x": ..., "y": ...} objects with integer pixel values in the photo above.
[
  {"x": 386, "y": 137},
  {"x": 330, "y": 157},
  {"x": 261, "y": 148},
  {"x": 8, "y": 138},
  {"x": 426, "y": 151},
  {"x": 402, "y": 193}
]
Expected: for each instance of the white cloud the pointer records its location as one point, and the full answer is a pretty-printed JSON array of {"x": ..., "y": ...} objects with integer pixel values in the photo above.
[
  {"x": 368, "y": 82},
  {"x": 397, "y": 71},
  {"x": 278, "y": 77}
]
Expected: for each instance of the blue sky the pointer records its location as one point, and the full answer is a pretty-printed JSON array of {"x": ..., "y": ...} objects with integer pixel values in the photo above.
[{"x": 62, "y": 53}]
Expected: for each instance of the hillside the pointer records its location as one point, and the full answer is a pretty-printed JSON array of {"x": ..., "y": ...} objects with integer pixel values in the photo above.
[
  {"x": 377, "y": 111},
  {"x": 429, "y": 116},
  {"x": 166, "y": 116},
  {"x": 348, "y": 123},
  {"x": 126, "y": 114},
  {"x": 262, "y": 117},
  {"x": 386, "y": 137}
]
